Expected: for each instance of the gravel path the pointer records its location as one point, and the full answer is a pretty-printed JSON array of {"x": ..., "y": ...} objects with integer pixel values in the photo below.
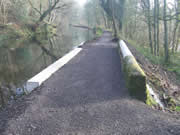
[{"x": 86, "y": 97}]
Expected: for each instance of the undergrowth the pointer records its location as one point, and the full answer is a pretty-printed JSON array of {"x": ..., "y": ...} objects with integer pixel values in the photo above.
[
  {"x": 173, "y": 65},
  {"x": 98, "y": 31},
  {"x": 178, "y": 108}
]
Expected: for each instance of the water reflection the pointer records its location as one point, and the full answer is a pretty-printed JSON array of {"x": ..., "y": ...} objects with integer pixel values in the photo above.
[{"x": 20, "y": 63}]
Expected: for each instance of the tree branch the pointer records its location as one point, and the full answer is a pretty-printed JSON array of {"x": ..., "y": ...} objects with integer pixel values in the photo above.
[{"x": 39, "y": 11}]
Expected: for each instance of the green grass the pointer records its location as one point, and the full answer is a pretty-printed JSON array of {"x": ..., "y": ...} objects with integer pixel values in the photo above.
[
  {"x": 173, "y": 65},
  {"x": 178, "y": 108}
]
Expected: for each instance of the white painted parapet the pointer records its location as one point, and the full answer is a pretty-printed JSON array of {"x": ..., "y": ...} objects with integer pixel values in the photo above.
[
  {"x": 37, "y": 80},
  {"x": 124, "y": 49},
  {"x": 81, "y": 44},
  {"x": 135, "y": 77}
]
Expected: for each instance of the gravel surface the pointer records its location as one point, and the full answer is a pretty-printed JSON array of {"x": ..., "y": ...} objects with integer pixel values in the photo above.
[{"x": 86, "y": 97}]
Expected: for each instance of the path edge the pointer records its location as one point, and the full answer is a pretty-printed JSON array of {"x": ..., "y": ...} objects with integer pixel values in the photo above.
[{"x": 46, "y": 73}]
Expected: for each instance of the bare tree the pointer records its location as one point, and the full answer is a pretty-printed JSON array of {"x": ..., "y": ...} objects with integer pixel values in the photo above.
[
  {"x": 157, "y": 19},
  {"x": 166, "y": 48},
  {"x": 4, "y": 11},
  {"x": 155, "y": 27},
  {"x": 53, "y": 5},
  {"x": 176, "y": 25},
  {"x": 113, "y": 19},
  {"x": 147, "y": 7}
]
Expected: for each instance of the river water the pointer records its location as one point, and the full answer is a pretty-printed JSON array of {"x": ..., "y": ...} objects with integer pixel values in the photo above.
[{"x": 21, "y": 62}]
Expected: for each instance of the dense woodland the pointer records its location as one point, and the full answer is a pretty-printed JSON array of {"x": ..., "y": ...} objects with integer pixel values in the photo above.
[
  {"x": 148, "y": 22},
  {"x": 151, "y": 25},
  {"x": 153, "y": 22}
]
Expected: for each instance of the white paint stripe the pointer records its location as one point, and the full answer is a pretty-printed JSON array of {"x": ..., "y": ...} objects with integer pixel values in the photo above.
[
  {"x": 124, "y": 49},
  {"x": 82, "y": 43},
  {"x": 37, "y": 80}
]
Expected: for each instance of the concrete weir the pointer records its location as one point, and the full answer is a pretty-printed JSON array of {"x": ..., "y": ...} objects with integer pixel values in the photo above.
[{"x": 37, "y": 80}]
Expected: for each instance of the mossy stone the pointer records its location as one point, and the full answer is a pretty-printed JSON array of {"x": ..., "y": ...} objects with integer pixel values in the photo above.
[{"x": 135, "y": 78}]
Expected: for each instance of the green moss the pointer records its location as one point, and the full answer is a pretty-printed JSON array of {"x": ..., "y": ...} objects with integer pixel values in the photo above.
[
  {"x": 150, "y": 100},
  {"x": 135, "y": 78},
  {"x": 132, "y": 66},
  {"x": 171, "y": 103}
]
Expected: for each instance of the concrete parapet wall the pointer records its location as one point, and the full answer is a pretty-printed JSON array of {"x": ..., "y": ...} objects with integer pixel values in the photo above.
[
  {"x": 37, "y": 80},
  {"x": 134, "y": 75}
]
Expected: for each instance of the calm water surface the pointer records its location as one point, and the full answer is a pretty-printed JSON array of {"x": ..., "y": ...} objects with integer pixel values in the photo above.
[{"x": 20, "y": 62}]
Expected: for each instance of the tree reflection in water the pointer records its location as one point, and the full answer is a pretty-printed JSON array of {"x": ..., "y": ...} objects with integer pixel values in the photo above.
[{"x": 23, "y": 61}]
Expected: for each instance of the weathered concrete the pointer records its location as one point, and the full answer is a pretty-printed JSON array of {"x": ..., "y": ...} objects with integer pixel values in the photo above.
[
  {"x": 86, "y": 97},
  {"x": 135, "y": 76}
]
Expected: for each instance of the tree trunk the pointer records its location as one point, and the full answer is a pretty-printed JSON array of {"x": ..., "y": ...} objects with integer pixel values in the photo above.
[
  {"x": 158, "y": 27},
  {"x": 174, "y": 36},
  {"x": 105, "y": 20},
  {"x": 49, "y": 10},
  {"x": 149, "y": 27},
  {"x": 166, "y": 51},
  {"x": 155, "y": 27},
  {"x": 178, "y": 40},
  {"x": 176, "y": 27},
  {"x": 1, "y": 97},
  {"x": 48, "y": 52},
  {"x": 113, "y": 19}
]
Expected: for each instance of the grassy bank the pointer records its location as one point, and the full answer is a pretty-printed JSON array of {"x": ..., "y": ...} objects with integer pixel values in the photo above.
[
  {"x": 173, "y": 65},
  {"x": 165, "y": 83}
]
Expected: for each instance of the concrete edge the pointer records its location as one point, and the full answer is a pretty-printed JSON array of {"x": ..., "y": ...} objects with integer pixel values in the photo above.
[
  {"x": 80, "y": 45},
  {"x": 126, "y": 53},
  {"x": 38, "y": 79}
]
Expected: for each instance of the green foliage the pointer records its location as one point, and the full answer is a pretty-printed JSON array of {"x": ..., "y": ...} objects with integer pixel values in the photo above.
[
  {"x": 145, "y": 50},
  {"x": 174, "y": 64},
  {"x": 13, "y": 35},
  {"x": 45, "y": 31},
  {"x": 178, "y": 108},
  {"x": 98, "y": 31}
]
